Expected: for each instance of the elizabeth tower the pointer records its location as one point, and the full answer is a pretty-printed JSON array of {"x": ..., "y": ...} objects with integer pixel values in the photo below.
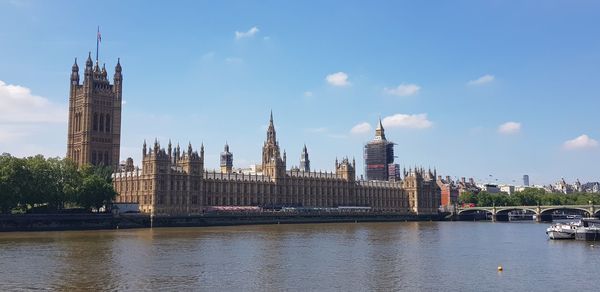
[{"x": 94, "y": 135}]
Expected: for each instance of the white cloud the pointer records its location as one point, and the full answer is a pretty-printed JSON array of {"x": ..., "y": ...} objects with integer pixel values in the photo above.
[
  {"x": 19, "y": 105},
  {"x": 308, "y": 94},
  {"x": 361, "y": 128},
  {"x": 581, "y": 142},
  {"x": 246, "y": 34},
  {"x": 403, "y": 90},
  {"x": 509, "y": 128},
  {"x": 338, "y": 79},
  {"x": 417, "y": 121},
  {"x": 487, "y": 78}
]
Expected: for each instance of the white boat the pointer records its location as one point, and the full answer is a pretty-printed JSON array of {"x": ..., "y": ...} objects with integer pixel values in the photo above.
[
  {"x": 562, "y": 230},
  {"x": 589, "y": 230}
]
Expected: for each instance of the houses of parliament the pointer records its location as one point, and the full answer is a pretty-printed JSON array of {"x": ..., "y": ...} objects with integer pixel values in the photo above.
[{"x": 173, "y": 181}]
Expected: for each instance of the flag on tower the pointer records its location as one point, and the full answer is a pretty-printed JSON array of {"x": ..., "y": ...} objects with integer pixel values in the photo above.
[{"x": 99, "y": 35}]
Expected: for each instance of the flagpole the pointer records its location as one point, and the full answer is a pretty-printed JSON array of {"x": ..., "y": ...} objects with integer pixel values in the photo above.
[{"x": 97, "y": 44}]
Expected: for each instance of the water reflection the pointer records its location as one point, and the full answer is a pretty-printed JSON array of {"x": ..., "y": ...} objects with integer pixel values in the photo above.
[{"x": 412, "y": 256}]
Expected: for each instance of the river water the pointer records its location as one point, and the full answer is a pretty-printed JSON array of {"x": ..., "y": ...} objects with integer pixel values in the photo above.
[{"x": 410, "y": 256}]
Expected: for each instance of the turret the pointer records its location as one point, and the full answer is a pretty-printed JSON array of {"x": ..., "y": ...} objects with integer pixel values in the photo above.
[
  {"x": 103, "y": 73},
  {"x": 202, "y": 152},
  {"x": 88, "y": 65},
  {"x": 304, "y": 160},
  {"x": 170, "y": 150},
  {"x": 144, "y": 149},
  {"x": 226, "y": 160},
  {"x": 75, "y": 74},
  {"x": 345, "y": 170}
]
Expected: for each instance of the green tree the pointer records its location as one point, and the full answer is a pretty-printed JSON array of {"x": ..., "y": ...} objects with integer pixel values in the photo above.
[
  {"x": 467, "y": 198},
  {"x": 95, "y": 192},
  {"x": 14, "y": 178}
]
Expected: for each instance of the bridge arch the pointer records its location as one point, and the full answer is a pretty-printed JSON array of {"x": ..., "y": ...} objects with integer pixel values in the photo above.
[
  {"x": 475, "y": 210},
  {"x": 502, "y": 210},
  {"x": 549, "y": 210}
]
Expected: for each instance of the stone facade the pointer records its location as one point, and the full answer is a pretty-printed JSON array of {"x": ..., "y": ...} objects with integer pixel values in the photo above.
[
  {"x": 94, "y": 133},
  {"x": 174, "y": 183}
]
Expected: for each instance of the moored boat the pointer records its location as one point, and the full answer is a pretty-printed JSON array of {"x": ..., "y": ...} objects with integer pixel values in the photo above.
[
  {"x": 589, "y": 230},
  {"x": 562, "y": 230}
]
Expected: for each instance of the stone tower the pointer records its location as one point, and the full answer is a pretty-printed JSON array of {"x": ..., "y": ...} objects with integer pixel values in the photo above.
[
  {"x": 226, "y": 160},
  {"x": 304, "y": 161},
  {"x": 378, "y": 155},
  {"x": 345, "y": 169},
  {"x": 94, "y": 133},
  {"x": 272, "y": 163}
]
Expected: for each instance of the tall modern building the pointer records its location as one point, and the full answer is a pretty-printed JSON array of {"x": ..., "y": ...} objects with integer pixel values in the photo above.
[
  {"x": 526, "y": 180},
  {"x": 378, "y": 155},
  {"x": 304, "y": 161},
  {"x": 94, "y": 133}
]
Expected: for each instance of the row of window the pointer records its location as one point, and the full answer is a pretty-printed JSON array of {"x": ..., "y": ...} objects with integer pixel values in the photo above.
[
  {"x": 100, "y": 158},
  {"x": 101, "y": 122}
]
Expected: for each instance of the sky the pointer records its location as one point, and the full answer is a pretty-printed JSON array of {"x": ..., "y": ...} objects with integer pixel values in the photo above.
[{"x": 485, "y": 89}]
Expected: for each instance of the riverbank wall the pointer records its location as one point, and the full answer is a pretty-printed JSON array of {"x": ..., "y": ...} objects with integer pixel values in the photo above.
[{"x": 50, "y": 222}]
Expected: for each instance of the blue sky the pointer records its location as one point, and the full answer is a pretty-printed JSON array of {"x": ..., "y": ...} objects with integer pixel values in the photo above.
[{"x": 471, "y": 87}]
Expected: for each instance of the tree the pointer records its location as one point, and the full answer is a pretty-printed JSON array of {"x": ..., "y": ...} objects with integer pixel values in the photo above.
[
  {"x": 95, "y": 192},
  {"x": 467, "y": 198},
  {"x": 14, "y": 177}
]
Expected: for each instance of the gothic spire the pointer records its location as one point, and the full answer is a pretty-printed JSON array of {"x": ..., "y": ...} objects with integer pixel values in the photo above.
[
  {"x": 89, "y": 63},
  {"x": 75, "y": 67},
  {"x": 380, "y": 132},
  {"x": 271, "y": 135}
]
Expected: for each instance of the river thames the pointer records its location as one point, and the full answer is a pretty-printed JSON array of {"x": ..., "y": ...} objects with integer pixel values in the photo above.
[{"x": 409, "y": 256}]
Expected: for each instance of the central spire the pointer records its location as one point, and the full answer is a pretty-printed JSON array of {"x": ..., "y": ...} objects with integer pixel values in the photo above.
[
  {"x": 271, "y": 135},
  {"x": 380, "y": 132}
]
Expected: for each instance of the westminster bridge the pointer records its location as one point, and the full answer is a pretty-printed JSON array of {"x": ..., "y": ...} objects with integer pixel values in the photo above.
[{"x": 543, "y": 213}]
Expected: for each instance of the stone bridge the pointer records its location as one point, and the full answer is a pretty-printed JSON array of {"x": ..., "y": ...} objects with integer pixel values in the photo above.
[{"x": 539, "y": 211}]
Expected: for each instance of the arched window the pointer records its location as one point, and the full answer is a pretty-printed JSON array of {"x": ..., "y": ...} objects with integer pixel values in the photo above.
[
  {"x": 94, "y": 158},
  {"x": 107, "y": 124},
  {"x": 78, "y": 122},
  {"x": 101, "y": 123},
  {"x": 95, "y": 122}
]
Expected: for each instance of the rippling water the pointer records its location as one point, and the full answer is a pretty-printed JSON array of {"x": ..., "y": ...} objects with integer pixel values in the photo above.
[{"x": 412, "y": 256}]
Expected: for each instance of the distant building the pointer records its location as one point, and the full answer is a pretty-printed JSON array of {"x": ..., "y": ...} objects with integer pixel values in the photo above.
[
  {"x": 490, "y": 188},
  {"x": 591, "y": 187},
  {"x": 226, "y": 160},
  {"x": 304, "y": 160},
  {"x": 378, "y": 154},
  {"x": 467, "y": 186},
  {"x": 507, "y": 189},
  {"x": 394, "y": 172},
  {"x": 449, "y": 191},
  {"x": 525, "y": 180}
]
